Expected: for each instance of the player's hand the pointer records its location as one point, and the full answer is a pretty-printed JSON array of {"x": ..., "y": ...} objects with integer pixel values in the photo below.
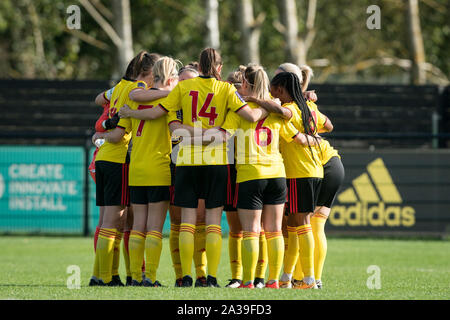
[
  {"x": 311, "y": 95},
  {"x": 249, "y": 98},
  {"x": 124, "y": 112},
  {"x": 97, "y": 135}
]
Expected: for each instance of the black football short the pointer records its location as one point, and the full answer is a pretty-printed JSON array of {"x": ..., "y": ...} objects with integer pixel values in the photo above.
[
  {"x": 231, "y": 203},
  {"x": 112, "y": 184},
  {"x": 149, "y": 194},
  {"x": 201, "y": 182},
  {"x": 254, "y": 194},
  {"x": 333, "y": 177},
  {"x": 302, "y": 194},
  {"x": 172, "y": 182}
]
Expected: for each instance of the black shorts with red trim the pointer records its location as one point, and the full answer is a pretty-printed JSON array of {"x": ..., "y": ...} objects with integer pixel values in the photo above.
[
  {"x": 254, "y": 194},
  {"x": 149, "y": 194},
  {"x": 112, "y": 184},
  {"x": 333, "y": 177},
  {"x": 302, "y": 194},
  {"x": 201, "y": 182},
  {"x": 232, "y": 196}
]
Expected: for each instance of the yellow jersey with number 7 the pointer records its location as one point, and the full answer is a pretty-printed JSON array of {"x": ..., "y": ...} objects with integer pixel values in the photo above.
[{"x": 150, "y": 156}]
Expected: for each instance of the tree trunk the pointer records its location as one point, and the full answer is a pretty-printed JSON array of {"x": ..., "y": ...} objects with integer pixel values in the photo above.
[
  {"x": 297, "y": 45},
  {"x": 250, "y": 32},
  {"x": 418, "y": 75},
  {"x": 122, "y": 25},
  {"x": 212, "y": 24},
  {"x": 288, "y": 16}
]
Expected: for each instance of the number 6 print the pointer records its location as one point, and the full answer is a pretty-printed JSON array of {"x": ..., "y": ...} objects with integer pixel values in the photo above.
[{"x": 258, "y": 130}]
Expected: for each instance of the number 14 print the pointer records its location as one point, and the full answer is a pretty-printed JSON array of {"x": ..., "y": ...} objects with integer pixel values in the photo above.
[{"x": 211, "y": 115}]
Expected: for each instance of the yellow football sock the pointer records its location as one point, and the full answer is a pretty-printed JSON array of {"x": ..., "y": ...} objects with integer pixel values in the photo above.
[
  {"x": 261, "y": 266},
  {"x": 306, "y": 245},
  {"x": 286, "y": 246},
  {"x": 250, "y": 252},
  {"x": 320, "y": 243},
  {"x": 186, "y": 247},
  {"x": 105, "y": 251},
  {"x": 116, "y": 256},
  {"x": 298, "y": 271},
  {"x": 235, "y": 253},
  {"x": 213, "y": 248},
  {"x": 275, "y": 250},
  {"x": 126, "y": 255},
  {"x": 153, "y": 247},
  {"x": 200, "y": 251},
  {"x": 291, "y": 255},
  {"x": 174, "y": 242},
  {"x": 136, "y": 248},
  {"x": 96, "y": 272}
]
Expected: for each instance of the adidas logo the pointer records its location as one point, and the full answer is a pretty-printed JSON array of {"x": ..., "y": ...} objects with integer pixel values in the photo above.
[{"x": 373, "y": 200}]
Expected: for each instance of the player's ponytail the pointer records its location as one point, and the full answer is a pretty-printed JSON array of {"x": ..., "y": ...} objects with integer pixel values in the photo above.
[
  {"x": 144, "y": 63},
  {"x": 258, "y": 81},
  {"x": 164, "y": 69},
  {"x": 209, "y": 61}
]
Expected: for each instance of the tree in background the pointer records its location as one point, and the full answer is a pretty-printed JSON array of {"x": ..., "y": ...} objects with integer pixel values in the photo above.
[
  {"x": 212, "y": 24},
  {"x": 121, "y": 34},
  {"x": 35, "y": 42},
  {"x": 418, "y": 75},
  {"x": 250, "y": 28},
  {"x": 297, "y": 44}
]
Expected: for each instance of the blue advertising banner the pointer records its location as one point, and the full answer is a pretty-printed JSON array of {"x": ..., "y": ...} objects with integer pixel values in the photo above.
[{"x": 41, "y": 189}]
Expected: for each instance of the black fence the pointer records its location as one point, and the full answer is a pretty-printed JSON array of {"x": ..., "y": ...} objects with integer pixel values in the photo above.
[
  {"x": 400, "y": 133},
  {"x": 377, "y": 116}
]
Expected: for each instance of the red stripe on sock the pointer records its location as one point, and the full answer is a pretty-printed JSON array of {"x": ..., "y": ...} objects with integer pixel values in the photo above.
[{"x": 97, "y": 231}]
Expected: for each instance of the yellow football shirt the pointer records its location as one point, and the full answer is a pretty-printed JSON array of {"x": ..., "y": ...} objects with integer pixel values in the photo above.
[
  {"x": 327, "y": 152},
  {"x": 205, "y": 102},
  {"x": 299, "y": 161},
  {"x": 117, "y": 152},
  {"x": 150, "y": 156},
  {"x": 257, "y": 144}
]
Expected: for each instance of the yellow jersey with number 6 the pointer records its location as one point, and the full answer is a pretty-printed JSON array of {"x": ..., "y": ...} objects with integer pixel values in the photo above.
[{"x": 258, "y": 155}]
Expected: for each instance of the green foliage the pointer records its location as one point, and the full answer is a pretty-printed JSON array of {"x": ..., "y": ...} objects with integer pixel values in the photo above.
[{"x": 177, "y": 28}]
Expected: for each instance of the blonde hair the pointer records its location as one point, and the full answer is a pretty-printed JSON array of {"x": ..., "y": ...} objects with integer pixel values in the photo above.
[
  {"x": 290, "y": 67},
  {"x": 307, "y": 74},
  {"x": 258, "y": 80},
  {"x": 164, "y": 69}
]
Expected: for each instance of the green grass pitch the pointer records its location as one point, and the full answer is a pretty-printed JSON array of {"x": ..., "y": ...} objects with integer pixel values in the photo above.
[{"x": 36, "y": 268}]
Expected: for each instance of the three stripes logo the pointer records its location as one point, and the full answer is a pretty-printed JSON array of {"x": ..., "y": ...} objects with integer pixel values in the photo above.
[{"x": 373, "y": 200}]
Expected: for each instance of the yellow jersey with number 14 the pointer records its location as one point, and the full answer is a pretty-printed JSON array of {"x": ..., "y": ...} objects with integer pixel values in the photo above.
[
  {"x": 150, "y": 156},
  {"x": 258, "y": 155},
  {"x": 205, "y": 102},
  {"x": 117, "y": 152}
]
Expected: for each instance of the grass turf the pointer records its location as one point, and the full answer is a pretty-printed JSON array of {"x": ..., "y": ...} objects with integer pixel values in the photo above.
[{"x": 36, "y": 268}]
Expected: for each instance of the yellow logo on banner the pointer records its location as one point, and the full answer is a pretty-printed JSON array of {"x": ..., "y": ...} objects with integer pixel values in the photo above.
[{"x": 374, "y": 204}]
